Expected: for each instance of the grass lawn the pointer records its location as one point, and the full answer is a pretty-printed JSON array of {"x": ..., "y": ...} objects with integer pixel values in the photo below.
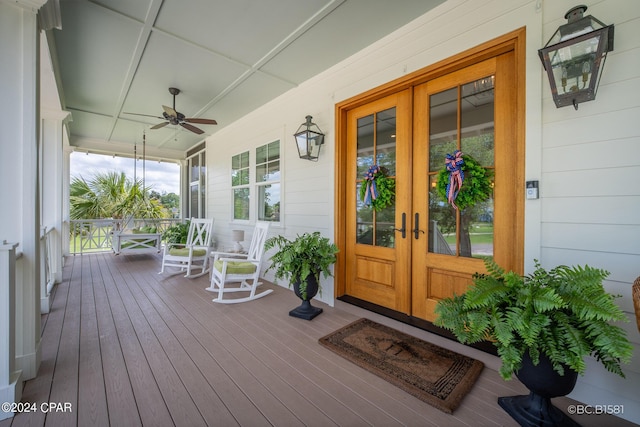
[{"x": 481, "y": 233}]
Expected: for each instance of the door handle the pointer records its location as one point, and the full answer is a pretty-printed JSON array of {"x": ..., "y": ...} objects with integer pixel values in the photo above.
[
  {"x": 403, "y": 230},
  {"x": 417, "y": 231}
]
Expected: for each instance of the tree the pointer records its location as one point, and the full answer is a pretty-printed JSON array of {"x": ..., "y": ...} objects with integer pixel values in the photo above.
[
  {"x": 112, "y": 195},
  {"x": 170, "y": 200}
]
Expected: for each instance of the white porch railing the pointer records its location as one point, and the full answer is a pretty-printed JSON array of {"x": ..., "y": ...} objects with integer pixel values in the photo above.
[
  {"x": 47, "y": 257},
  {"x": 50, "y": 264},
  {"x": 94, "y": 235},
  {"x": 10, "y": 381}
]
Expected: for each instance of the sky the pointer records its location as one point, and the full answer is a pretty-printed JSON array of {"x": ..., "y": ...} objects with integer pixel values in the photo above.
[{"x": 161, "y": 177}]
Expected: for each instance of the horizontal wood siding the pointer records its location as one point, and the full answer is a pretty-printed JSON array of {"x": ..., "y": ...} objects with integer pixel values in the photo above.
[{"x": 589, "y": 194}]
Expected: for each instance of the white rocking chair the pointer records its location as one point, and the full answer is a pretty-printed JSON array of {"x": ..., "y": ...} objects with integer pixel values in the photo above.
[
  {"x": 194, "y": 254},
  {"x": 239, "y": 268}
]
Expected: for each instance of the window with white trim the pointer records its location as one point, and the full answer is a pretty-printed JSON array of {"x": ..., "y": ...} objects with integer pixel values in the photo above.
[
  {"x": 196, "y": 182},
  {"x": 240, "y": 186},
  {"x": 268, "y": 182}
]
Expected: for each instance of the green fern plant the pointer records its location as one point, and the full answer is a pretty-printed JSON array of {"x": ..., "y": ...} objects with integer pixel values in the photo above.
[
  {"x": 177, "y": 233},
  {"x": 564, "y": 313},
  {"x": 308, "y": 254}
]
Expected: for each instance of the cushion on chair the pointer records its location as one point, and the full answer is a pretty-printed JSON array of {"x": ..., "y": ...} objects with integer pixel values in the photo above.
[
  {"x": 236, "y": 267},
  {"x": 147, "y": 230},
  {"x": 185, "y": 252}
]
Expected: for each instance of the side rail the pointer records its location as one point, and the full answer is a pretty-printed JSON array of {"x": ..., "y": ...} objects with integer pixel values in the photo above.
[
  {"x": 95, "y": 235},
  {"x": 47, "y": 251},
  {"x": 10, "y": 388},
  {"x": 90, "y": 235}
]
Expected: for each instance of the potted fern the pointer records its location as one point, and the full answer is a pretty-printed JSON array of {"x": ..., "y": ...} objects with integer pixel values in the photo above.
[
  {"x": 302, "y": 260},
  {"x": 550, "y": 318}
]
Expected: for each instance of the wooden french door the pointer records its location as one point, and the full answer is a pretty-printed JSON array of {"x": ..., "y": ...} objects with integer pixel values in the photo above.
[
  {"x": 471, "y": 110},
  {"x": 378, "y": 266},
  {"x": 420, "y": 249}
]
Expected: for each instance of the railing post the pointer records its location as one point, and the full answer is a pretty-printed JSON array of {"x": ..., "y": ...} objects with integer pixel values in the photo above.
[{"x": 10, "y": 379}]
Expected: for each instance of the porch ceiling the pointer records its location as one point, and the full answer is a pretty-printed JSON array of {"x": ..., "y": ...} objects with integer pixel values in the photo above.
[{"x": 227, "y": 57}]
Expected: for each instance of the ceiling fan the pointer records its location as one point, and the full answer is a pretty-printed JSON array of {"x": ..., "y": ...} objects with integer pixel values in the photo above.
[{"x": 174, "y": 117}]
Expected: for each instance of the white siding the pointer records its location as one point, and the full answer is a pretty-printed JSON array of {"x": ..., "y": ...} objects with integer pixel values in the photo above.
[
  {"x": 586, "y": 160},
  {"x": 589, "y": 188}
]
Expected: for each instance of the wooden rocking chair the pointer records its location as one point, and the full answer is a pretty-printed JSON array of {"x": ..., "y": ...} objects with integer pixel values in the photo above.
[
  {"x": 240, "y": 268},
  {"x": 195, "y": 253}
]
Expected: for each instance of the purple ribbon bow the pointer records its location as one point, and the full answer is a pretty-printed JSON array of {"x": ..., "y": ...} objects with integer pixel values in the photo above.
[
  {"x": 454, "y": 164},
  {"x": 371, "y": 192}
]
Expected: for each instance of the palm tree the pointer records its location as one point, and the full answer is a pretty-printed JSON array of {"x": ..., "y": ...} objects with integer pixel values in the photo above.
[{"x": 112, "y": 195}]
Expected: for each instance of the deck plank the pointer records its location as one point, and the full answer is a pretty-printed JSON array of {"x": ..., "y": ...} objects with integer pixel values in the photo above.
[
  {"x": 92, "y": 399},
  {"x": 175, "y": 395},
  {"x": 119, "y": 391},
  {"x": 38, "y": 389},
  {"x": 64, "y": 388},
  {"x": 226, "y": 349},
  {"x": 150, "y": 402},
  {"x": 127, "y": 346},
  {"x": 159, "y": 316}
]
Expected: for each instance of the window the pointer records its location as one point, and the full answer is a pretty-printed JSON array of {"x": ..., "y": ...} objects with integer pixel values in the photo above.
[
  {"x": 196, "y": 182},
  {"x": 240, "y": 185},
  {"x": 260, "y": 193},
  {"x": 268, "y": 181}
]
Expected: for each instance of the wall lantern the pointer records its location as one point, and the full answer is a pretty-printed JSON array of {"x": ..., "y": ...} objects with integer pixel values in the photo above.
[
  {"x": 574, "y": 57},
  {"x": 309, "y": 138}
]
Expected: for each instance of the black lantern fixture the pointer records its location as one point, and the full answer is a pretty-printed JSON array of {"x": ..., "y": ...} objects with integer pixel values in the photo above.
[
  {"x": 309, "y": 138},
  {"x": 574, "y": 57}
]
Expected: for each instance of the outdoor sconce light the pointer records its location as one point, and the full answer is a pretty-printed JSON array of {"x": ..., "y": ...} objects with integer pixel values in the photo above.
[
  {"x": 309, "y": 138},
  {"x": 574, "y": 57}
]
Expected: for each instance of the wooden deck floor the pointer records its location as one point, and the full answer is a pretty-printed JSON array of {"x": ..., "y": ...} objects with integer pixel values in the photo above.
[{"x": 123, "y": 346}]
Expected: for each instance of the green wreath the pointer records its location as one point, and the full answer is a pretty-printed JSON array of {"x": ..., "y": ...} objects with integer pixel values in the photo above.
[
  {"x": 377, "y": 189},
  {"x": 477, "y": 185}
]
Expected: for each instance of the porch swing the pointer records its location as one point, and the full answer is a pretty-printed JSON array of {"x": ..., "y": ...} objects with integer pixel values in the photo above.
[{"x": 129, "y": 236}]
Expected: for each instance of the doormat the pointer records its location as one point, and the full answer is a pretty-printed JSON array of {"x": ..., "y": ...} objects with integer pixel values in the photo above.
[{"x": 435, "y": 375}]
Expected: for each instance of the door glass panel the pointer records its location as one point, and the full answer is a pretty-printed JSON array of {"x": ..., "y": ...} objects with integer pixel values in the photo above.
[
  {"x": 443, "y": 127},
  {"x": 477, "y": 140},
  {"x": 386, "y": 140},
  {"x": 442, "y": 222},
  {"x": 385, "y": 226},
  {"x": 477, "y": 120},
  {"x": 195, "y": 171},
  {"x": 376, "y": 145},
  {"x": 364, "y": 224},
  {"x": 193, "y": 200},
  {"x": 469, "y": 232},
  {"x": 365, "y": 144}
]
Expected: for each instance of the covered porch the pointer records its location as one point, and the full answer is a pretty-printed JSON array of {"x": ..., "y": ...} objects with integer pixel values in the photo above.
[{"x": 123, "y": 345}]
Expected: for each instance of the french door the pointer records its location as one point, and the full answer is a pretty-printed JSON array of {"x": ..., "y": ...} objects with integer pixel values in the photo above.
[
  {"x": 409, "y": 255},
  {"x": 378, "y": 267}
]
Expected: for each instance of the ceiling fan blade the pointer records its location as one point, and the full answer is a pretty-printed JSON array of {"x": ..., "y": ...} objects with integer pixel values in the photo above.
[
  {"x": 170, "y": 111},
  {"x": 160, "y": 125},
  {"x": 192, "y": 128},
  {"x": 202, "y": 121},
  {"x": 145, "y": 115}
]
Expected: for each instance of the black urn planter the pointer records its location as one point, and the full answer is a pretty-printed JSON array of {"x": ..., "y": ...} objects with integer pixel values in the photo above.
[
  {"x": 543, "y": 383},
  {"x": 306, "y": 310}
]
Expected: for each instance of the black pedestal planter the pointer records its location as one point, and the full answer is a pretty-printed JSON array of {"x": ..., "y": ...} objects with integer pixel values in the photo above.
[
  {"x": 543, "y": 383},
  {"x": 306, "y": 310}
]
